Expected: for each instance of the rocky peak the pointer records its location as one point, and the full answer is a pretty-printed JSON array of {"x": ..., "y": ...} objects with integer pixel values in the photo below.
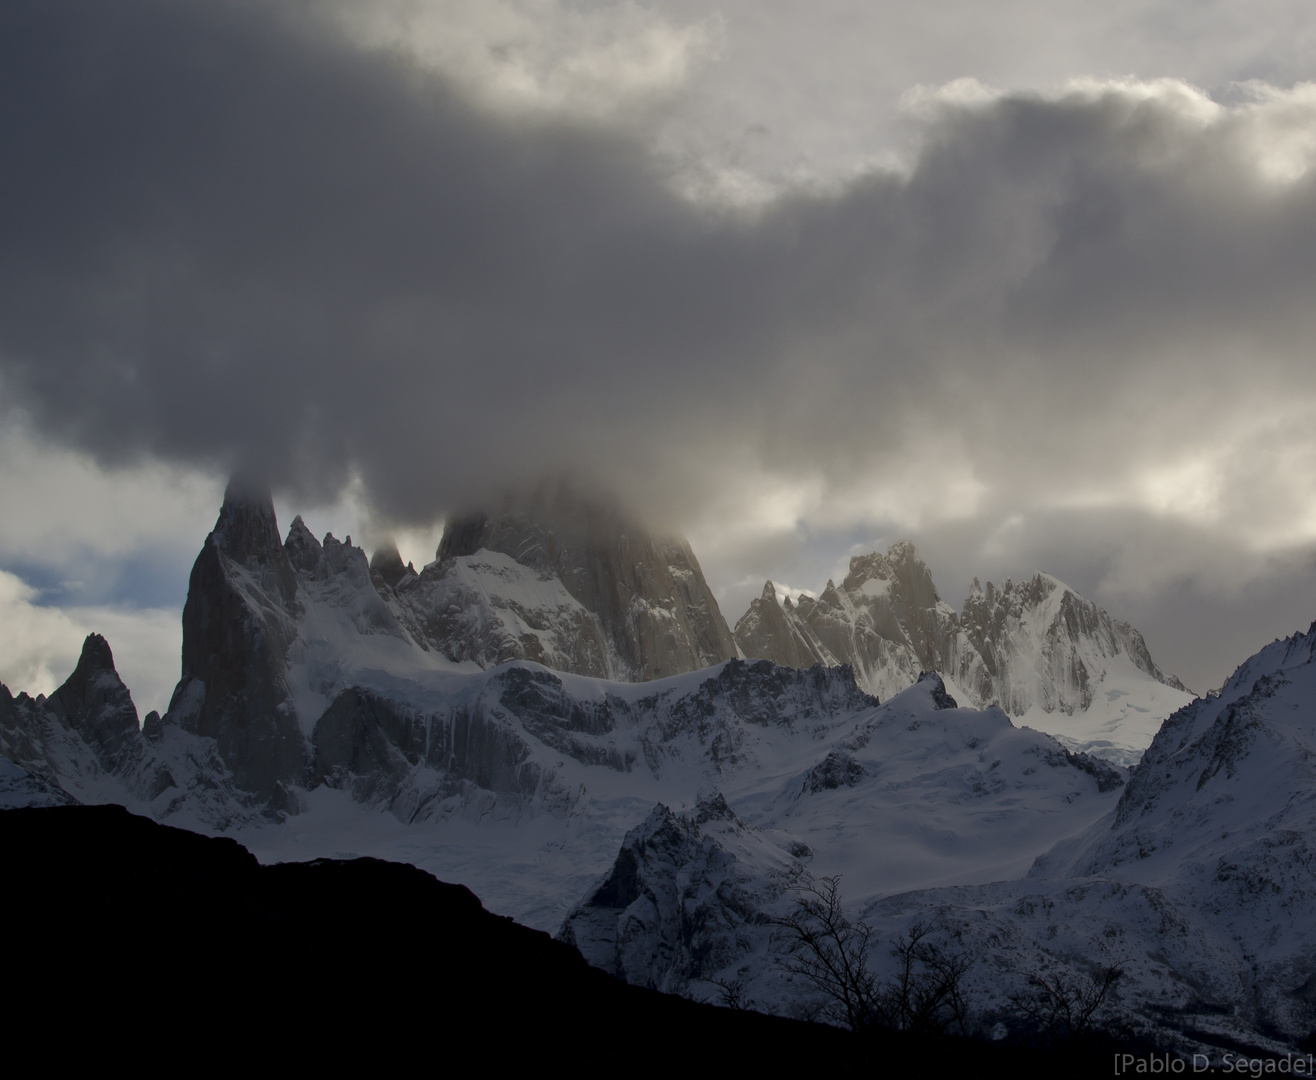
[
  {"x": 94, "y": 701},
  {"x": 239, "y": 621},
  {"x": 386, "y": 566},
  {"x": 1031, "y": 643},
  {"x": 645, "y": 597},
  {"x": 343, "y": 557},
  {"x": 773, "y": 631},
  {"x": 902, "y": 566},
  {"x": 247, "y": 533},
  {"x": 936, "y": 688},
  {"x": 301, "y": 546},
  {"x": 96, "y": 659},
  {"x": 246, "y": 530}
]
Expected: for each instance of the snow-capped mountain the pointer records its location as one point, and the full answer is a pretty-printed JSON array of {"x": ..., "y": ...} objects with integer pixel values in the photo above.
[
  {"x": 313, "y": 699},
  {"x": 83, "y": 744},
  {"x": 662, "y": 825},
  {"x": 1036, "y": 648},
  {"x": 1198, "y": 882},
  {"x": 565, "y": 581},
  {"x": 915, "y": 792}
]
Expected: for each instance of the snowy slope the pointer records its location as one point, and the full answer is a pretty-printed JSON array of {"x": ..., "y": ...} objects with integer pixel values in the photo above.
[
  {"x": 1197, "y": 877},
  {"x": 1051, "y": 659},
  {"x": 1201, "y": 882},
  {"x": 914, "y": 793}
]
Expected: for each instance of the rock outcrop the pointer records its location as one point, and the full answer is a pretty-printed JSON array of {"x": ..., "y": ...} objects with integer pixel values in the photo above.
[
  {"x": 1042, "y": 644},
  {"x": 687, "y": 897},
  {"x": 239, "y": 622},
  {"x": 568, "y": 582},
  {"x": 1031, "y": 647},
  {"x": 886, "y": 621},
  {"x": 83, "y": 744},
  {"x": 95, "y": 704}
]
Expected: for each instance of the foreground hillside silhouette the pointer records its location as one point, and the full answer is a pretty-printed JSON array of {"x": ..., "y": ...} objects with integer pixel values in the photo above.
[{"x": 127, "y": 939}]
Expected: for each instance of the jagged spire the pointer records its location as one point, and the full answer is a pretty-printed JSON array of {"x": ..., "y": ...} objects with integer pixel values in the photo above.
[
  {"x": 386, "y": 565},
  {"x": 247, "y": 529}
]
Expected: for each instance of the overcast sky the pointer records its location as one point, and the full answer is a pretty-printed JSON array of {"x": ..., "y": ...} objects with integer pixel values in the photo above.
[{"x": 1028, "y": 283}]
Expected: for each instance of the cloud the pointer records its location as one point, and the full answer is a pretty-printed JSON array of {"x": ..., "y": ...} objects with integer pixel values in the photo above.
[
  {"x": 64, "y": 511},
  {"x": 39, "y": 646},
  {"x": 541, "y": 56},
  {"x": 239, "y": 235}
]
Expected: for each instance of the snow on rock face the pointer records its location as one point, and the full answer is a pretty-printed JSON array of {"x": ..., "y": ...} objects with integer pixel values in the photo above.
[
  {"x": 571, "y": 583},
  {"x": 90, "y": 719},
  {"x": 1197, "y": 877},
  {"x": 305, "y": 668},
  {"x": 1201, "y": 880},
  {"x": 1043, "y": 644},
  {"x": 519, "y": 741},
  {"x": 1224, "y": 803},
  {"x": 269, "y": 628},
  {"x": 96, "y": 705},
  {"x": 488, "y": 608},
  {"x": 688, "y": 897},
  {"x": 471, "y": 758},
  {"x": 910, "y": 793},
  {"x": 82, "y": 744},
  {"x": 1037, "y": 649},
  {"x": 19, "y": 788},
  {"x": 773, "y": 631},
  {"x": 886, "y": 620}
]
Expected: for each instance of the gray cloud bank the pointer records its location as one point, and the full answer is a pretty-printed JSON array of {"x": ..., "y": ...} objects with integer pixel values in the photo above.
[{"x": 234, "y": 239}]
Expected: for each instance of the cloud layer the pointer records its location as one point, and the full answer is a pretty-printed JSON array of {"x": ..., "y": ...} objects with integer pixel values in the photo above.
[{"x": 239, "y": 237}]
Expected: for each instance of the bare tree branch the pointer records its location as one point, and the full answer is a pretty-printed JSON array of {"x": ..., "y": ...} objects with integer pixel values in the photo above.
[{"x": 926, "y": 994}]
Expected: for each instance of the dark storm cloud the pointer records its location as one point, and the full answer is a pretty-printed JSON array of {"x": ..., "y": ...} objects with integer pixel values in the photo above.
[{"x": 231, "y": 238}]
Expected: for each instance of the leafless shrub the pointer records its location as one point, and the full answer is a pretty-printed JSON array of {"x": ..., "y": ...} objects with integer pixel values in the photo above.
[
  {"x": 926, "y": 995},
  {"x": 1065, "y": 1007}
]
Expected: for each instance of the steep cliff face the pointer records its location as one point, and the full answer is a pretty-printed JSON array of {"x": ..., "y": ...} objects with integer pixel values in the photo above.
[
  {"x": 571, "y": 583},
  {"x": 522, "y": 741},
  {"x": 271, "y": 631},
  {"x": 886, "y": 620},
  {"x": 1036, "y": 648},
  {"x": 774, "y": 631},
  {"x": 239, "y": 621},
  {"x": 1042, "y": 644}
]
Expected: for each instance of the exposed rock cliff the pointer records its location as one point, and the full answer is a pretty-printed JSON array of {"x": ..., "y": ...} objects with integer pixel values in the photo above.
[
  {"x": 568, "y": 582},
  {"x": 1034, "y": 648},
  {"x": 83, "y": 744},
  {"x": 886, "y": 620},
  {"x": 774, "y": 631},
  {"x": 687, "y": 897},
  {"x": 239, "y": 621},
  {"x": 1043, "y": 644}
]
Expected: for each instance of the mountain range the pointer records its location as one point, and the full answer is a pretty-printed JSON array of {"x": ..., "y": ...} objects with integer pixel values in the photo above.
[
  {"x": 555, "y": 714},
  {"x": 1036, "y": 648}
]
